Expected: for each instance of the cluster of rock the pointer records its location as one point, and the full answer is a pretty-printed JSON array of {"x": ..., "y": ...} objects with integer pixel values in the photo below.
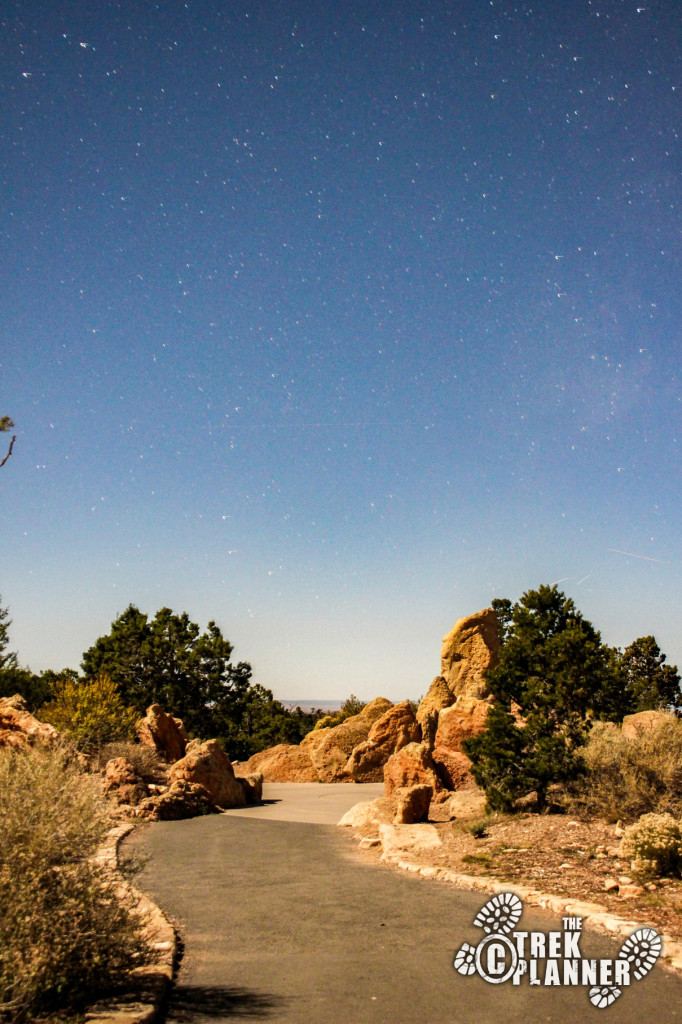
[
  {"x": 199, "y": 778},
  {"x": 19, "y": 728},
  {"x": 193, "y": 777},
  {"x": 419, "y": 752}
]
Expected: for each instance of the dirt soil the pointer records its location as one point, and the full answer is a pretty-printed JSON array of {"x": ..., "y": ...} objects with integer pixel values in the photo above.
[{"x": 559, "y": 855}]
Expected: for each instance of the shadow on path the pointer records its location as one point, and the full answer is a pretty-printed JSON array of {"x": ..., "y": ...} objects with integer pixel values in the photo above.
[{"x": 192, "y": 1003}]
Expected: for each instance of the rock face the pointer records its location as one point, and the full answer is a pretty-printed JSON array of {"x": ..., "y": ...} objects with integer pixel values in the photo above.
[
  {"x": 18, "y": 727},
  {"x": 395, "y": 729},
  {"x": 283, "y": 763},
  {"x": 464, "y": 719},
  {"x": 205, "y": 764},
  {"x": 122, "y": 783},
  {"x": 437, "y": 697},
  {"x": 453, "y": 768},
  {"x": 163, "y": 732},
  {"x": 468, "y": 651},
  {"x": 411, "y": 766},
  {"x": 643, "y": 721},
  {"x": 330, "y": 753},
  {"x": 326, "y": 755},
  {"x": 412, "y": 804}
]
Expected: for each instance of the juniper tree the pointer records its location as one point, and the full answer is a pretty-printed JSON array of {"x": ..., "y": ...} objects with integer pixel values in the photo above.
[{"x": 555, "y": 669}]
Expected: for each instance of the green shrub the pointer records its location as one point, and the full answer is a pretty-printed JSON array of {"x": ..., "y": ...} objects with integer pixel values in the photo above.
[
  {"x": 654, "y": 844},
  {"x": 351, "y": 706},
  {"x": 90, "y": 713},
  {"x": 630, "y": 777},
  {"x": 66, "y": 936}
]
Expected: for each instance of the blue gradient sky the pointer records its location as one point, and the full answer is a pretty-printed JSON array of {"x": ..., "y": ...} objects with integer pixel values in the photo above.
[{"x": 332, "y": 322}]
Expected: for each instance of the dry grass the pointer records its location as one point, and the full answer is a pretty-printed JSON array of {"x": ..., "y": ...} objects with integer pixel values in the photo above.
[
  {"x": 65, "y": 935},
  {"x": 630, "y": 777},
  {"x": 144, "y": 759}
]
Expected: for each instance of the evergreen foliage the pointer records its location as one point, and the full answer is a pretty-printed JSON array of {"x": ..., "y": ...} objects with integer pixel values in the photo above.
[
  {"x": 169, "y": 661},
  {"x": 650, "y": 684},
  {"x": 555, "y": 669}
]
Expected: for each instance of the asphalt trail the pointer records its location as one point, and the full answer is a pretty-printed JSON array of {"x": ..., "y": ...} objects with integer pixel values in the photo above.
[{"x": 287, "y": 922}]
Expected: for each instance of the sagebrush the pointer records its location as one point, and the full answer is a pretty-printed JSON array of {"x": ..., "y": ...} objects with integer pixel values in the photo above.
[
  {"x": 145, "y": 760},
  {"x": 66, "y": 936},
  {"x": 628, "y": 777},
  {"x": 654, "y": 844}
]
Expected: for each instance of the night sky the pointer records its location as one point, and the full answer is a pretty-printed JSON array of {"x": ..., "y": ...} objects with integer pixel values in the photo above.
[{"x": 334, "y": 321}]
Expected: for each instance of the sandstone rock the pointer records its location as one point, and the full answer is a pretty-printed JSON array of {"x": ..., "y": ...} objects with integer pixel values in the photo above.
[
  {"x": 252, "y": 784},
  {"x": 283, "y": 763},
  {"x": 468, "y": 651},
  {"x": 369, "y": 812},
  {"x": 122, "y": 783},
  {"x": 412, "y": 765},
  {"x": 643, "y": 721},
  {"x": 163, "y": 732},
  {"x": 528, "y": 803},
  {"x": 182, "y": 799},
  {"x": 207, "y": 765},
  {"x": 18, "y": 727},
  {"x": 398, "y": 840},
  {"x": 629, "y": 892},
  {"x": 413, "y": 804},
  {"x": 395, "y": 729},
  {"x": 453, "y": 768},
  {"x": 468, "y": 803},
  {"x": 331, "y": 754},
  {"x": 464, "y": 719},
  {"x": 438, "y": 696}
]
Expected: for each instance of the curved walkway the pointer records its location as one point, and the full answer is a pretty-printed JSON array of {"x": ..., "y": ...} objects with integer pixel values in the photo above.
[{"x": 285, "y": 921}]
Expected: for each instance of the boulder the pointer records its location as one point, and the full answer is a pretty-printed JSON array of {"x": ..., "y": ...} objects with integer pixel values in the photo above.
[
  {"x": 331, "y": 754},
  {"x": 206, "y": 764},
  {"x": 163, "y": 732},
  {"x": 468, "y": 651},
  {"x": 182, "y": 799},
  {"x": 18, "y": 727},
  {"x": 643, "y": 721},
  {"x": 438, "y": 696},
  {"x": 283, "y": 763},
  {"x": 412, "y": 765},
  {"x": 252, "y": 784},
  {"x": 369, "y": 812},
  {"x": 395, "y": 729},
  {"x": 400, "y": 840},
  {"x": 122, "y": 783},
  {"x": 453, "y": 768},
  {"x": 413, "y": 804},
  {"x": 464, "y": 719},
  {"x": 468, "y": 803}
]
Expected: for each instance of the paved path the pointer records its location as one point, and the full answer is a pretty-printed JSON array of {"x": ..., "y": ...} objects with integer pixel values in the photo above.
[{"x": 287, "y": 922}]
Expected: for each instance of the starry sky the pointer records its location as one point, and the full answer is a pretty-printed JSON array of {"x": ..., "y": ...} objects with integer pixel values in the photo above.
[{"x": 334, "y": 321}]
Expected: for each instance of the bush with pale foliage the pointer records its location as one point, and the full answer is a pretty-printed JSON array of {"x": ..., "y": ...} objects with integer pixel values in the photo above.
[
  {"x": 66, "y": 936},
  {"x": 654, "y": 844},
  {"x": 627, "y": 777}
]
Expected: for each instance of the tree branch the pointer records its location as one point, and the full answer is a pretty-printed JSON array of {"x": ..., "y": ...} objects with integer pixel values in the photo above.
[{"x": 9, "y": 450}]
